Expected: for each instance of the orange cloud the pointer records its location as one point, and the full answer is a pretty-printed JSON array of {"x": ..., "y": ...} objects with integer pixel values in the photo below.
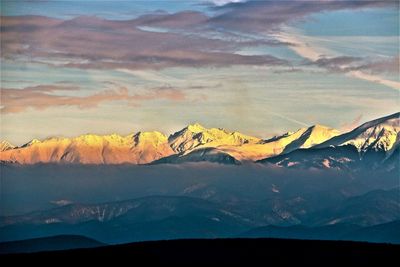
[{"x": 43, "y": 96}]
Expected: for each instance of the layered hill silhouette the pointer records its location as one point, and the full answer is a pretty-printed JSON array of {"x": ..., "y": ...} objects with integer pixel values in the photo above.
[
  {"x": 318, "y": 146},
  {"x": 52, "y": 243},
  {"x": 172, "y": 217}
]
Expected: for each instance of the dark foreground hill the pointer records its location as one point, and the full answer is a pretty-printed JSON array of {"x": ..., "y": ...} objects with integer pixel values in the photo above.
[
  {"x": 52, "y": 243},
  {"x": 231, "y": 252}
]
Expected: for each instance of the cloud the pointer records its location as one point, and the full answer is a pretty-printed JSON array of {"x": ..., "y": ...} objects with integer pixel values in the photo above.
[
  {"x": 96, "y": 43},
  {"x": 352, "y": 66},
  {"x": 43, "y": 97},
  {"x": 263, "y": 16},
  {"x": 183, "y": 39},
  {"x": 389, "y": 65},
  {"x": 300, "y": 46},
  {"x": 374, "y": 78},
  {"x": 335, "y": 63},
  {"x": 224, "y": 2}
]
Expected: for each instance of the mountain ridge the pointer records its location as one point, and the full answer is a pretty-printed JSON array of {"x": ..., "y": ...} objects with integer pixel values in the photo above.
[
  {"x": 196, "y": 143},
  {"x": 372, "y": 145}
]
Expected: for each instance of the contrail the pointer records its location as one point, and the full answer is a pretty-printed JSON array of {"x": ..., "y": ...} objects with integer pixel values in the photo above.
[{"x": 288, "y": 118}]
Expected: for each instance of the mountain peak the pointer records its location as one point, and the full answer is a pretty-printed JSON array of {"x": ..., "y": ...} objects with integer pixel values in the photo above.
[
  {"x": 32, "y": 142},
  {"x": 5, "y": 145},
  {"x": 311, "y": 136},
  {"x": 154, "y": 137},
  {"x": 378, "y": 134},
  {"x": 196, "y": 127},
  {"x": 320, "y": 127}
]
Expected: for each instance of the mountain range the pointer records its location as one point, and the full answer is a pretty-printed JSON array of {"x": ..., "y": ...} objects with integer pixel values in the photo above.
[
  {"x": 371, "y": 144},
  {"x": 171, "y": 217}
]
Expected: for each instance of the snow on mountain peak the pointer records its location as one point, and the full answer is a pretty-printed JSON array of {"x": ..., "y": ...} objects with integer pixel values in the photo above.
[
  {"x": 32, "y": 142},
  {"x": 317, "y": 134},
  {"x": 379, "y": 134},
  {"x": 196, "y": 142},
  {"x": 196, "y": 136},
  {"x": 5, "y": 145},
  {"x": 155, "y": 138},
  {"x": 196, "y": 128}
]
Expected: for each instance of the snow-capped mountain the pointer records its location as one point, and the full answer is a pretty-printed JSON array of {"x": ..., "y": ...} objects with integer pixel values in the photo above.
[
  {"x": 302, "y": 138},
  {"x": 139, "y": 148},
  {"x": 196, "y": 143},
  {"x": 197, "y": 136},
  {"x": 378, "y": 135},
  {"x": 4, "y": 145},
  {"x": 318, "y": 146},
  {"x": 193, "y": 143},
  {"x": 372, "y": 145}
]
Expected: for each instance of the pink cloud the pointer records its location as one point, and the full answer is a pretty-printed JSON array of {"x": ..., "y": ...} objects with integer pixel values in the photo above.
[{"x": 43, "y": 97}]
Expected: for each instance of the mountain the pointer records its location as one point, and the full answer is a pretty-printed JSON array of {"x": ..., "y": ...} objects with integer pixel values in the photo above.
[
  {"x": 302, "y": 138},
  {"x": 311, "y": 136},
  {"x": 372, "y": 208},
  {"x": 193, "y": 143},
  {"x": 196, "y": 143},
  {"x": 377, "y": 135},
  {"x": 149, "y": 218},
  {"x": 200, "y": 155},
  {"x": 4, "y": 145},
  {"x": 197, "y": 136},
  {"x": 139, "y": 148},
  {"x": 373, "y": 145},
  {"x": 382, "y": 233},
  {"x": 61, "y": 242}
]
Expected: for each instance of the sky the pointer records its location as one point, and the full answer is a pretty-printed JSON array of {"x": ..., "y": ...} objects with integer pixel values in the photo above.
[{"x": 259, "y": 67}]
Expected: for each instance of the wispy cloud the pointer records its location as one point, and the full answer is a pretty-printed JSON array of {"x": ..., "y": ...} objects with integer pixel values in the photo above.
[
  {"x": 374, "y": 78},
  {"x": 46, "y": 96},
  {"x": 323, "y": 58}
]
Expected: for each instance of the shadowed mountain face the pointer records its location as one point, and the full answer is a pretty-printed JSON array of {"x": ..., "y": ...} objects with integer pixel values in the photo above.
[
  {"x": 151, "y": 218},
  {"x": 155, "y": 218}
]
